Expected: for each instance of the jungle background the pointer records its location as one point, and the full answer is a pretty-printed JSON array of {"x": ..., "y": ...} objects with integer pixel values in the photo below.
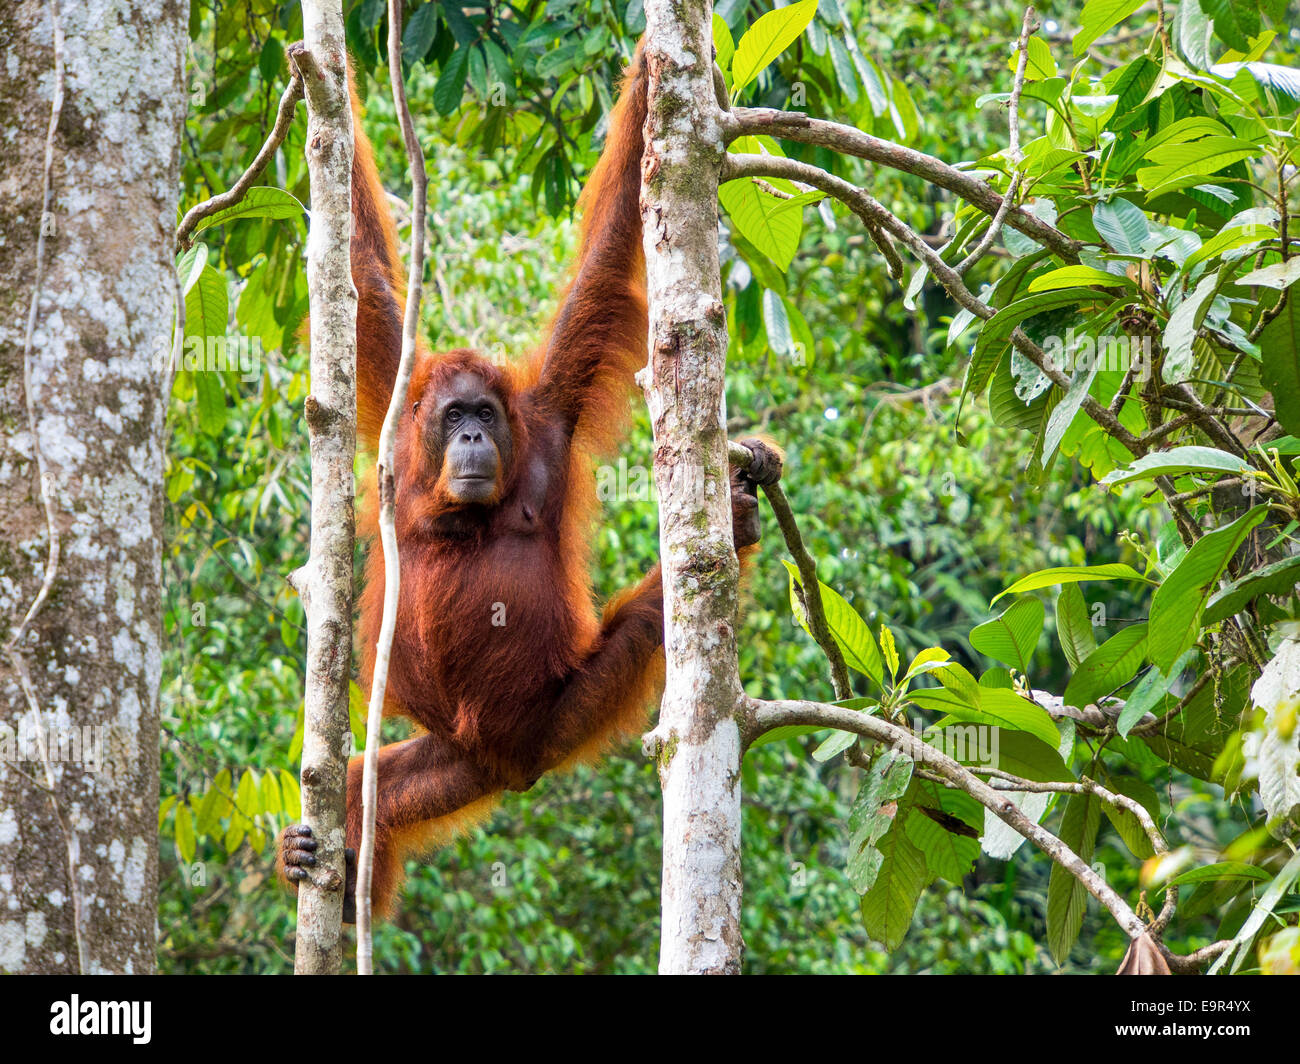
[{"x": 917, "y": 515}]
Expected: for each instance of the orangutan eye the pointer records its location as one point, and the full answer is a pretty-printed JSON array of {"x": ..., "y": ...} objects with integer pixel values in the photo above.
[
  {"x": 454, "y": 415},
  {"x": 485, "y": 415}
]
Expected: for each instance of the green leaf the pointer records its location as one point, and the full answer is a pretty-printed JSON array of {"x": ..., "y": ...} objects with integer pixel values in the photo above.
[
  {"x": 184, "y": 833},
  {"x": 1009, "y": 710},
  {"x": 1279, "y": 346},
  {"x": 1175, "y": 461},
  {"x": 207, "y": 308},
  {"x": 1040, "y": 65},
  {"x": 290, "y": 796},
  {"x": 1075, "y": 276},
  {"x": 1280, "y": 578},
  {"x": 1178, "y": 602},
  {"x": 1149, "y": 692},
  {"x": 215, "y": 804},
  {"x": 449, "y": 90},
  {"x": 271, "y": 60},
  {"x": 888, "y": 651},
  {"x": 1222, "y": 870},
  {"x": 210, "y": 393},
  {"x": 946, "y": 855},
  {"x": 1012, "y": 636},
  {"x": 888, "y": 907},
  {"x": 838, "y": 742},
  {"x": 1108, "y": 667},
  {"x": 1195, "y": 160},
  {"x": 842, "y": 64},
  {"x": 761, "y": 219},
  {"x": 777, "y": 324},
  {"x": 1070, "y": 574},
  {"x": 1067, "y": 898},
  {"x": 847, "y": 628},
  {"x": 722, "y": 42},
  {"x": 1180, "y": 332},
  {"x": 261, "y": 201},
  {"x": 873, "y": 815},
  {"x": 767, "y": 38},
  {"x": 418, "y": 36},
  {"x": 1122, "y": 225},
  {"x": 1278, "y": 275},
  {"x": 1125, "y": 822},
  {"x": 1074, "y": 626},
  {"x": 1134, "y": 82},
  {"x": 1097, "y": 17},
  {"x": 927, "y": 660},
  {"x": 1235, "y": 21}
]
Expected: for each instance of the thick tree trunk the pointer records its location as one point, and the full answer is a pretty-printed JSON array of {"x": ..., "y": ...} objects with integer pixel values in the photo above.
[
  {"x": 325, "y": 583},
  {"x": 79, "y": 690},
  {"x": 697, "y": 740}
]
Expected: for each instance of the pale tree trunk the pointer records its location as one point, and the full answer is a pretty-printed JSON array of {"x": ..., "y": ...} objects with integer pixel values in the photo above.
[
  {"x": 697, "y": 740},
  {"x": 325, "y": 583},
  {"x": 80, "y": 610}
]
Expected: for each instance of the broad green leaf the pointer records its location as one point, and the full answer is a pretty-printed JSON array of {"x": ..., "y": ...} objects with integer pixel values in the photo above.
[
  {"x": 1279, "y": 346},
  {"x": 262, "y": 201},
  {"x": 1180, "y": 332},
  {"x": 1074, "y": 626},
  {"x": 1278, "y": 275},
  {"x": 215, "y": 804},
  {"x": 1279, "y": 578},
  {"x": 838, "y": 742},
  {"x": 927, "y": 660},
  {"x": 1097, "y": 17},
  {"x": 1108, "y": 667},
  {"x": 888, "y": 907},
  {"x": 1076, "y": 276},
  {"x": 1012, "y": 711},
  {"x": 873, "y": 814},
  {"x": 722, "y": 42},
  {"x": 1178, "y": 460},
  {"x": 184, "y": 833},
  {"x": 1011, "y": 636},
  {"x": 1070, "y": 574},
  {"x": 207, "y": 308},
  {"x": 1134, "y": 82},
  {"x": 450, "y": 88},
  {"x": 290, "y": 796},
  {"x": 1222, "y": 870},
  {"x": 847, "y": 628},
  {"x": 417, "y": 37},
  {"x": 960, "y": 682},
  {"x": 1067, "y": 898},
  {"x": 777, "y": 324},
  {"x": 1178, "y": 602},
  {"x": 762, "y": 221},
  {"x": 1149, "y": 692},
  {"x": 1235, "y": 21},
  {"x": 766, "y": 39},
  {"x": 1197, "y": 159},
  {"x": 947, "y": 855},
  {"x": 1122, "y": 225},
  {"x": 210, "y": 397},
  {"x": 1125, "y": 822}
]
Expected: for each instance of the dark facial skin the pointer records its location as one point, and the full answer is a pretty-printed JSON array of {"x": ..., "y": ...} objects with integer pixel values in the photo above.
[{"x": 467, "y": 436}]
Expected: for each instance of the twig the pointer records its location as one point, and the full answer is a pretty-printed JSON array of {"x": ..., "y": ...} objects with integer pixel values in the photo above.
[
  {"x": 763, "y": 716},
  {"x": 388, "y": 492},
  {"x": 283, "y": 120},
  {"x": 792, "y": 125},
  {"x": 812, "y": 594},
  {"x": 871, "y": 211},
  {"x": 1014, "y": 154}
]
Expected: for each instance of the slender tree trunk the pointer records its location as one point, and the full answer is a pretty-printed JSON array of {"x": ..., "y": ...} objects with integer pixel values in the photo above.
[
  {"x": 325, "y": 583},
  {"x": 697, "y": 739},
  {"x": 87, "y": 212}
]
